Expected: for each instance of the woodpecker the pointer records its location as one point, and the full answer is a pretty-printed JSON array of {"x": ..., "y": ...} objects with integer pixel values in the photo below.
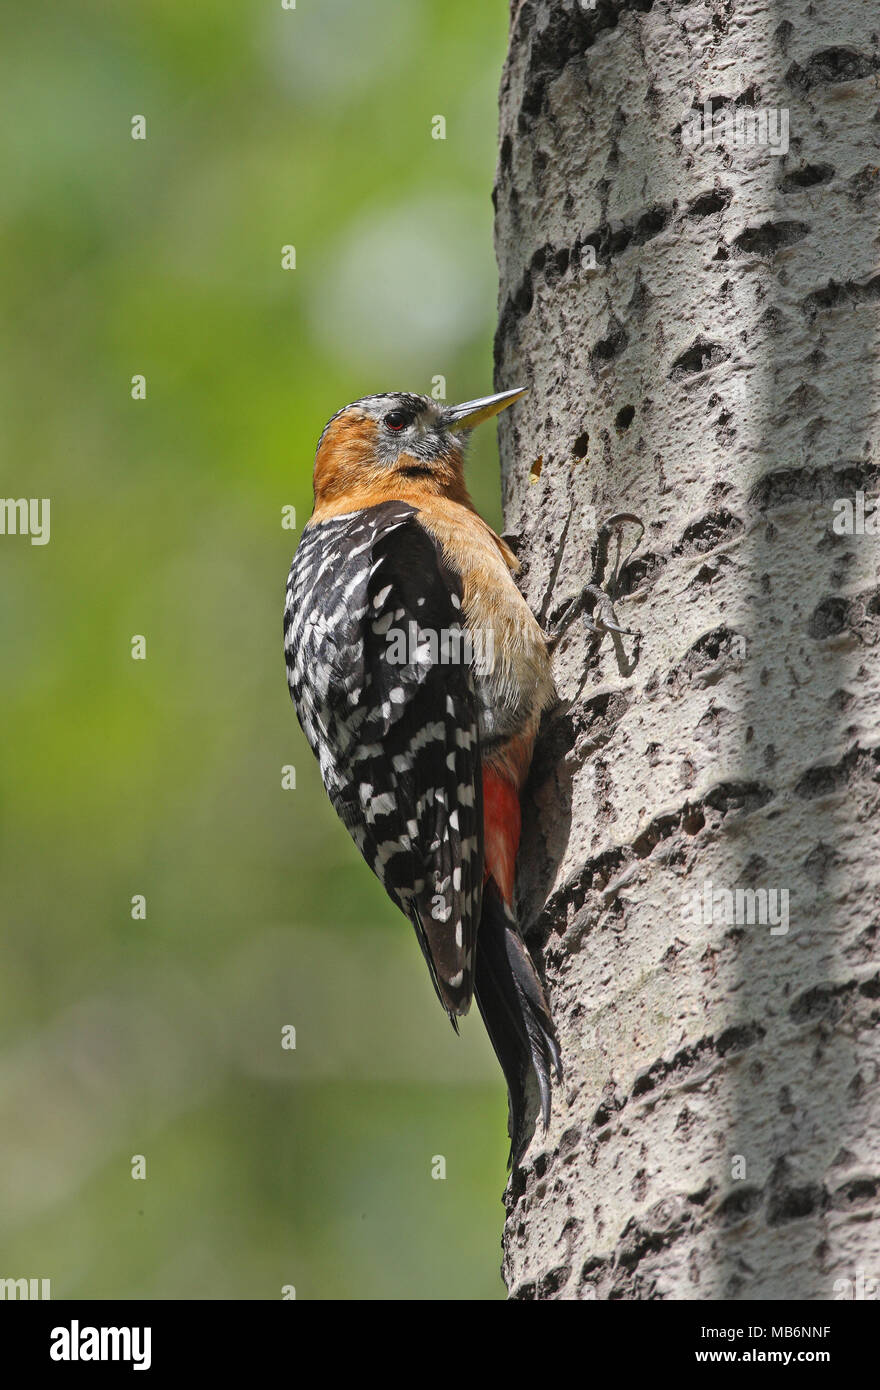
[{"x": 419, "y": 676}]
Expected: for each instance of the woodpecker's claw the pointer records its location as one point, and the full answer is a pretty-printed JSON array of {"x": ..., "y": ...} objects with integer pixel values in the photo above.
[
  {"x": 595, "y": 599},
  {"x": 603, "y": 618}
]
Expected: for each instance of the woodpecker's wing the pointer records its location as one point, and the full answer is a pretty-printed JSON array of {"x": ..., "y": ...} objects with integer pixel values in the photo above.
[{"x": 382, "y": 681}]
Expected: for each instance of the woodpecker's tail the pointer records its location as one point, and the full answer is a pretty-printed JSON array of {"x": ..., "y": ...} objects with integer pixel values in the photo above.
[{"x": 514, "y": 1007}]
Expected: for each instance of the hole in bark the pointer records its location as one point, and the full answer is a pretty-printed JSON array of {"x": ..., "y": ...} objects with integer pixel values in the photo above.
[
  {"x": 739, "y": 1036},
  {"x": 806, "y": 177},
  {"x": 707, "y": 203},
  {"x": 828, "y": 618},
  {"x": 699, "y": 357},
  {"x": 829, "y": 65},
  {"x": 612, "y": 345},
  {"x": 650, "y": 224},
  {"x": 524, "y": 1293},
  {"x": 856, "y": 1193},
  {"x": 857, "y": 764},
  {"x": 707, "y": 532},
  {"x": 550, "y": 1283},
  {"x": 769, "y": 238},
  {"x": 833, "y": 295},
  {"x": 738, "y": 1204},
  {"x": 738, "y": 796},
  {"x": 786, "y": 485},
  {"x": 818, "y": 1002},
  {"x": 624, "y": 418},
  {"x": 643, "y": 1083},
  {"x": 793, "y": 1203},
  {"x": 707, "y": 657}
]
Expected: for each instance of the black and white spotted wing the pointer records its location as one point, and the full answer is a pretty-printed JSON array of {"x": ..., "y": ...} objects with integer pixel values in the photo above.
[{"x": 385, "y": 695}]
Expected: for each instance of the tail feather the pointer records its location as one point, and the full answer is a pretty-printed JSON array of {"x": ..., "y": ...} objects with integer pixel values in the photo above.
[{"x": 514, "y": 1007}]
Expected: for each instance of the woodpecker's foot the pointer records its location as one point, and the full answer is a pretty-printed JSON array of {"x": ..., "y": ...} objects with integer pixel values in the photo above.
[
  {"x": 596, "y": 599},
  {"x": 598, "y": 612}
]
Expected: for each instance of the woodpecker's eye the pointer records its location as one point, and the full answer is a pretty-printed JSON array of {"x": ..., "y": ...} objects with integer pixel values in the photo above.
[{"x": 397, "y": 419}]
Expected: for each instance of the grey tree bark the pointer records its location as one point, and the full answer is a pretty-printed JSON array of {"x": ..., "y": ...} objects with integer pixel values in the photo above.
[{"x": 717, "y": 1133}]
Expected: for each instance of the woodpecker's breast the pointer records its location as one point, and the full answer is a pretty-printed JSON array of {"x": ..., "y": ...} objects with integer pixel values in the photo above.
[{"x": 514, "y": 682}]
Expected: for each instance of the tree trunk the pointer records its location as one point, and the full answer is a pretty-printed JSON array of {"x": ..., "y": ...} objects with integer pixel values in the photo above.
[{"x": 716, "y": 1135}]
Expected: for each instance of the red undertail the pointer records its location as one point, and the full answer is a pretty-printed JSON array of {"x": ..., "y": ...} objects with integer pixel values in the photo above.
[{"x": 508, "y": 990}]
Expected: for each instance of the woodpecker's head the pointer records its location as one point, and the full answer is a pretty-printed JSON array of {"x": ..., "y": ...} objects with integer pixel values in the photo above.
[{"x": 398, "y": 445}]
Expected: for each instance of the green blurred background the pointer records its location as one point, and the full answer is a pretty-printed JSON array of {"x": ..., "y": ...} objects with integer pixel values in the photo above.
[{"x": 162, "y": 1037}]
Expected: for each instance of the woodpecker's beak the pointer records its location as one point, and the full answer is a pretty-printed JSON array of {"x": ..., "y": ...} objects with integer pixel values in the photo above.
[{"x": 471, "y": 413}]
